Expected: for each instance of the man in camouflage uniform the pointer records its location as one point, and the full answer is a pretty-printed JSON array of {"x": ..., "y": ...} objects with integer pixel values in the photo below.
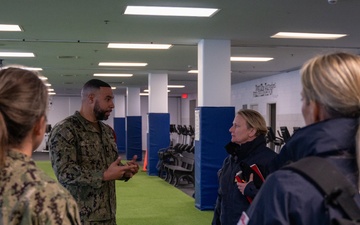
[
  {"x": 85, "y": 158},
  {"x": 29, "y": 196}
]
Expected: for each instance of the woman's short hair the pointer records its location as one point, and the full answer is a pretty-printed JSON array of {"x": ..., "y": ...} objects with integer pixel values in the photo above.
[
  {"x": 254, "y": 120},
  {"x": 333, "y": 81}
]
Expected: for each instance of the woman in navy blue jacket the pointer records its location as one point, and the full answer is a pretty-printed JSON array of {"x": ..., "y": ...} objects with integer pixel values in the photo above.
[
  {"x": 247, "y": 147},
  {"x": 331, "y": 110}
]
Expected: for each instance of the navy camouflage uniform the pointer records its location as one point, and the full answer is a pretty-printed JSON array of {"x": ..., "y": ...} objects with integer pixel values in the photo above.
[
  {"x": 80, "y": 154},
  {"x": 29, "y": 196}
]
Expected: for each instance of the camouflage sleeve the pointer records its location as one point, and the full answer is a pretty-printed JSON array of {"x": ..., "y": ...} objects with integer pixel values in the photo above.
[
  {"x": 48, "y": 205},
  {"x": 65, "y": 162}
]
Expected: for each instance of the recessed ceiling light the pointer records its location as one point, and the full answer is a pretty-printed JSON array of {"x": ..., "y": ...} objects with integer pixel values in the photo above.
[
  {"x": 9, "y": 27},
  {"x": 251, "y": 59},
  {"x": 112, "y": 75},
  {"x": 139, "y": 46},
  {"x": 193, "y": 71},
  {"x": 17, "y": 54},
  {"x": 121, "y": 64},
  {"x": 170, "y": 11},
  {"x": 176, "y": 86},
  {"x": 307, "y": 35}
]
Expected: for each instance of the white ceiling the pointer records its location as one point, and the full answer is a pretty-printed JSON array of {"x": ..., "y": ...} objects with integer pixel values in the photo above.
[{"x": 69, "y": 38}]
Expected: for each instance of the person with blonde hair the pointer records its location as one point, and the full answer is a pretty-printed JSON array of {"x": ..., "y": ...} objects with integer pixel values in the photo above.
[
  {"x": 331, "y": 110},
  {"x": 27, "y": 194},
  {"x": 247, "y": 147}
]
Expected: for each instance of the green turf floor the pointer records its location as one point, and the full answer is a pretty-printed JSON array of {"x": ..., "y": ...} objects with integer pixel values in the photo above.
[{"x": 149, "y": 200}]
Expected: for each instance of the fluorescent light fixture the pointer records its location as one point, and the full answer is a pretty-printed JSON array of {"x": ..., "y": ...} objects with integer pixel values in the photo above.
[
  {"x": 47, "y": 85},
  {"x": 176, "y": 86},
  {"x": 17, "y": 54},
  {"x": 147, "y": 90},
  {"x": 144, "y": 94},
  {"x": 170, "y": 11},
  {"x": 193, "y": 71},
  {"x": 139, "y": 46},
  {"x": 113, "y": 88},
  {"x": 121, "y": 64},
  {"x": 307, "y": 35},
  {"x": 43, "y": 78},
  {"x": 52, "y": 93},
  {"x": 9, "y": 27},
  {"x": 112, "y": 75},
  {"x": 251, "y": 59},
  {"x": 32, "y": 68},
  {"x": 25, "y": 68},
  {"x": 50, "y": 89}
]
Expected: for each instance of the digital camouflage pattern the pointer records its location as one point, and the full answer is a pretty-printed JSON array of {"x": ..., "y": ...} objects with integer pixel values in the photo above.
[
  {"x": 79, "y": 155},
  {"x": 29, "y": 196}
]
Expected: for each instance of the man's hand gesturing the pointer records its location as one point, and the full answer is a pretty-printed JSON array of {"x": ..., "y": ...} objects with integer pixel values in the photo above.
[{"x": 117, "y": 170}]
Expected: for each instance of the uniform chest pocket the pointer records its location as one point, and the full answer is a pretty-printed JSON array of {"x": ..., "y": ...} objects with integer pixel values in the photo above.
[{"x": 90, "y": 154}]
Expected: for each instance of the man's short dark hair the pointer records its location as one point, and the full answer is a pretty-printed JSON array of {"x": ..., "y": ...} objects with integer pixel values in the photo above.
[
  {"x": 95, "y": 83},
  {"x": 92, "y": 85}
]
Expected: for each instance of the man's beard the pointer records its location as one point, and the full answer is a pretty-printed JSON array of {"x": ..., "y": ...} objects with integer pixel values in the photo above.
[{"x": 99, "y": 113}]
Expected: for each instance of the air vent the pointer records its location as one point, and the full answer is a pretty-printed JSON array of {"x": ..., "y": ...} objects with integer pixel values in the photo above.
[
  {"x": 68, "y": 75},
  {"x": 67, "y": 57}
]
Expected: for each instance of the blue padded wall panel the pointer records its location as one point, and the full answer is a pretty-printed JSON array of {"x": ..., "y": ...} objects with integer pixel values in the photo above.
[
  {"x": 119, "y": 127},
  {"x": 214, "y": 124},
  {"x": 158, "y": 137},
  {"x": 133, "y": 137}
]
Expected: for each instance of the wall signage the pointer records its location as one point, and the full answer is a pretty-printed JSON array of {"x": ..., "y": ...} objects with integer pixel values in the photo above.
[{"x": 264, "y": 89}]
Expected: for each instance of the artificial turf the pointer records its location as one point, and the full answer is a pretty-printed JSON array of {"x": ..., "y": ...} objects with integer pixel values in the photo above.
[{"x": 149, "y": 200}]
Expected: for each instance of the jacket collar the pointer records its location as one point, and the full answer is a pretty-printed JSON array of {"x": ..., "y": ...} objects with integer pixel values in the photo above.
[
  {"x": 323, "y": 138},
  {"x": 242, "y": 151}
]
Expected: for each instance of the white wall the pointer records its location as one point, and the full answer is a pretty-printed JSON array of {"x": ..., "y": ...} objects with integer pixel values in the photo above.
[
  {"x": 62, "y": 107},
  {"x": 286, "y": 95}
]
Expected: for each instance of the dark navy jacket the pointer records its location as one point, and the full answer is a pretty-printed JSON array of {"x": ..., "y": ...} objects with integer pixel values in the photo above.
[
  {"x": 288, "y": 198},
  {"x": 230, "y": 201}
]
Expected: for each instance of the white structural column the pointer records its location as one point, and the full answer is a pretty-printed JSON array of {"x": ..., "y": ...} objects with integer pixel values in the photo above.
[
  {"x": 214, "y": 77},
  {"x": 158, "y": 95},
  {"x": 133, "y": 101},
  {"x": 158, "y": 120},
  {"x": 119, "y": 102},
  {"x": 213, "y": 118},
  {"x": 133, "y": 124},
  {"x": 119, "y": 122}
]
